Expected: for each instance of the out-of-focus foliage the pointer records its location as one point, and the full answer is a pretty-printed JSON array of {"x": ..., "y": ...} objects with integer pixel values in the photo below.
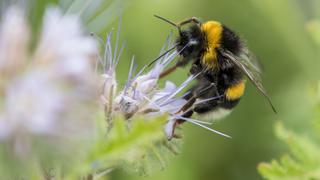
[
  {"x": 303, "y": 161},
  {"x": 97, "y": 14},
  {"x": 314, "y": 29}
]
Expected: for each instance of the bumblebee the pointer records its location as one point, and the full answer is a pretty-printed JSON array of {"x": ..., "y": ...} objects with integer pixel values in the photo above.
[{"x": 221, "y": 62}]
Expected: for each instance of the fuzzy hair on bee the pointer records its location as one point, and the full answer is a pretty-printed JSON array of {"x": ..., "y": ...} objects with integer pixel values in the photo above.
[{"x": 221, "y": 62}]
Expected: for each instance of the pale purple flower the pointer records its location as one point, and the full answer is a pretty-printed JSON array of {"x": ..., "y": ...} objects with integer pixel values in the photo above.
[
  {"x": 15, "y": 35},
  {"x": 48, "y": 93}
]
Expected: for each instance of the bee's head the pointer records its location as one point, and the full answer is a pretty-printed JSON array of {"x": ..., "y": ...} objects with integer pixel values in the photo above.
[{"x": 190, "y": 43}]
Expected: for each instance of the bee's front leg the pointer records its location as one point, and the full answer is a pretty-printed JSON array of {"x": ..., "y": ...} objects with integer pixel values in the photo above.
[{"x": 181, "y": 63}]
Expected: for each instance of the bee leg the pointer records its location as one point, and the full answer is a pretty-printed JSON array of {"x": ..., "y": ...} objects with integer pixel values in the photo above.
[
  {"x": 182, "y": 62},
  {"x": 192, "y": 99},
  {"x": 186, "y": 109},
  {"x": 187, "y": 105},
  {"x": 168, "y": 71},
  {"x": 178, "y": 122},
  {"x": 186, "y": 113},
  {"x": 209, "y": 96}
]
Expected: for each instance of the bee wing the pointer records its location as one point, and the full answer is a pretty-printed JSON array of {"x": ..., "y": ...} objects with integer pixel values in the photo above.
[
  {"x": 251, "y": 60},
  {"x": 252, "y": 69}
]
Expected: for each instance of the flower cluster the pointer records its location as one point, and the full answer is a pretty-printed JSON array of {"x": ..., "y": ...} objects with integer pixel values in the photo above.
[{"x": 49, "y": 92}]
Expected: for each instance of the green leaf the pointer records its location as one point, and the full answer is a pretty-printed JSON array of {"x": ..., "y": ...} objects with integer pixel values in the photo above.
[
  {"x": 302, "y": 163},
  {"x": 137, "y": 145},
  {"x": 301, "y": 147}
]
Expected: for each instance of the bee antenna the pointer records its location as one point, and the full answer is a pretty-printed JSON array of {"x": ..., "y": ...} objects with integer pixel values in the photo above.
[
  {"x": 167, "y": 20},
  {"x": 163, "y": 54}
]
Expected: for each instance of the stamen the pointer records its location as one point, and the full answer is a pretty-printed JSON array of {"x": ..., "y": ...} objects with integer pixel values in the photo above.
[{"x": 205, "y": 127}]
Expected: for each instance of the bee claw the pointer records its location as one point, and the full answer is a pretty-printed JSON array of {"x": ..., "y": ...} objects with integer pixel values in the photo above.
[{"x": 177, "y": 136}]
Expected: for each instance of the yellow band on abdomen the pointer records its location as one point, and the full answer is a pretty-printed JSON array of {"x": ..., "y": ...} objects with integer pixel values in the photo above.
[{"x": 236, "y": 91}]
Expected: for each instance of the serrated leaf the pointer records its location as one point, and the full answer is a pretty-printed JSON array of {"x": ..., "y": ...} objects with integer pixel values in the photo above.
[
  {"x": 301, "y": 147},
  {"x": 270, "y": 170},
  {"x": 123, "y": 141},
  {"x": 290, "y": 165},
  {"x": 303, "y": 163}
]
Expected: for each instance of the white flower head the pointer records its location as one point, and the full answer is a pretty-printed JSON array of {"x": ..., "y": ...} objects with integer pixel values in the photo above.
[
  {"x": 134, "y": 97},
  {"x": 52, "y": 95}
]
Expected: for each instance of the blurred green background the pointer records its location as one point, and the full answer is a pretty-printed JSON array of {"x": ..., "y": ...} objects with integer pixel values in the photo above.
[{"x": 276, "y": 31}]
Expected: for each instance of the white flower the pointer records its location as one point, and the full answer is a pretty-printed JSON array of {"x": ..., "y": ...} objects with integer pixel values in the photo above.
[
  {"x": 51, "y": 92},
  {"x": 134, "y": 96},
  {"x": 14, "y": 40},
  {"x": 64, "y": 46},
  {"x": 33, "y": 103}
]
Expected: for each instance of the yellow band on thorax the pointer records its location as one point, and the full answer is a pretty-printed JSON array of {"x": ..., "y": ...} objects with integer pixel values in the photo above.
[{"x": 213, "y": 33}]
